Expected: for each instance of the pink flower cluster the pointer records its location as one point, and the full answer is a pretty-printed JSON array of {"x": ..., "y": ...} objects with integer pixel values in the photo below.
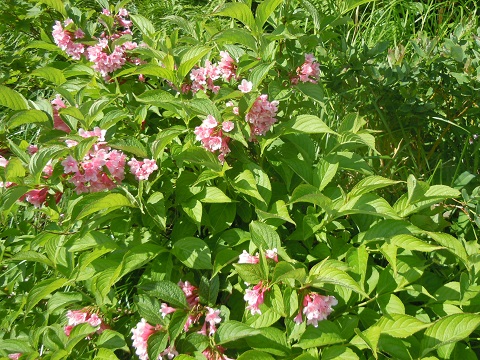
[
  {"x": 255, "y": 297},
  {"x": 85, "y": 315},
  {"x": 262, "y": 115},
  {"x": 105, "y": 59},
  {"x": 37, "y": 197},
  {"x": 212, "y": 318},
  {"x": 89, "y": 174},
  {"x": 14, "y": 356},
  {"x": 203, "y": 77},
  {"x": 142, "y": 169},
  {"x": 211, "y": 134},
  {"x": 65, "y": 39},
  {"x": 308, "y": 72},
  {"x": 316, "y": 308}
]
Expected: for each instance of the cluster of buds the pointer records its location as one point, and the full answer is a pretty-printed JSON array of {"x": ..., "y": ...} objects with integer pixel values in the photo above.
[
  {"x": 105, "y": 55},
  {"x": 85, "y": 315},
  {"x": 211, "y": 134},
  {"x": 211, "y": 317},
  {"x": 203, "y": 77},
  {"x": 308, "y": 72}
]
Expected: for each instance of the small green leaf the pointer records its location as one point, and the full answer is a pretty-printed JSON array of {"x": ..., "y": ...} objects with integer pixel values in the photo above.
[
  {"x": 310, "y": 124},
  {"x": 189, "y": 59},
  {"x": 143, "y": 24},
  {"x": 255, "y": 355},
  {"x": 130, "y": 145},
  {"x": 212, "y": 194},
  {"x": 264, "y": 10},
  {"x": 369, "y": 184},
  {"x": 239, "y": 11},
  {"x": 157, "y": 342},
  {"x": 264, "y": 236},
  {"x": 56, "y": 5},
  {"x": 250, "y": 273},
  {"x": 313, "y": 91},
  {"x": 400, "y": 326}
]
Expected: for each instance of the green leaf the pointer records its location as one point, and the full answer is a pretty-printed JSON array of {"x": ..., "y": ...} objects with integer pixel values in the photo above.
[
  {"x": 234, "y": 330},
  {"x": 12, "y": 99},
  {"x": 264, "y": 10},
  {"x": 263, "y": 236},
  {"x": 167, "y": 291},
  {"x": 233, "y": 36},
  {"x": 10, "y": 196},
  {"x": 27, "y": 117},
  {"x": 56, "y": 5},
  {"x": 309, "y": 124},
  {"x": 155, "y": 207},
  {"x": 105, "y": 354},
  {"x": 250, "y": 273},
  {"x": 41, "y": 290},
  {"x": 30, "y": 255},
  {"x": 79, "y": 333},
  {"x": 83, "y": 147},
  {"x": 150, "y": 70},
  {"x": 352, "y": 4},
  {"x": 259, "y": 73},
  {"x": 410, "y": 242},
  {"x": 105, "y": 202},
  {"x": 14, "y": 171},
  {"x": 255, "y": 355},
  {"x": 201, "y": 156},
  {"x": 138, "y": 256},
  {"x": 51, "y": 74},
  {"x": 193, "y": 252},
  {"x": 41, "y": 158},
  {"x": 400, "y": 326},
  {"x": 212, "y": 194},
  {"x": 325, "y": 273},
  {"x": 454, "y": 245},
  {"x": 239, "y": 11},
  {"x": 143, "y": 24},
  {"x": 311, "y": 194},
  {"x": 148, "y": 308},
  {"x": 189, "y": 59},
  {"x": 157, "y": 342},
  {"x": 15, "y": 345},
  {"x": 369, "y": 184},
  {"x": 368, "y": 204},
  {"x": 326, "y": 333},
  {"x": 449, "y": 329},
  {"x": 313, "y": 91},
  {"x": 271, "y": 340},
  {"x": 339, "y": 352},
  {"x": 39, "y": 44},
  {"x": 130, "y": 145},
  {"x": 284, "y": 271},
  {"x": 245, "y": 183}
]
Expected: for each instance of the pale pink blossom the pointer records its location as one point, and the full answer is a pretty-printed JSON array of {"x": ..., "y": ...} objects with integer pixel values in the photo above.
[
  {"x": 245, "y": 86},
  {"x": 317, "y": 307},
  {"x": 255, "y": 297},
  {"x": 210, "y": 122},
  {"x": 85, "y": 315},
  {"x": 212, "y": 318},
  {"x": 63, "y": 39},
  {"x": 58, "y": 123},
  {"x": 70, "y": 165},
  {"x": 165, "y": 309},
  {"x": 190, "y": 292},
  {"x": 246, "y": 258},
  {"x": 211, "y": 135},
  {"x": 14, "y": 356},
  {"x": 3, "y": 161},
  {"x": 142, "y": 169},
  {"x": 227, "y": 66},
  {"x": 227, "y": 126},
  {"x": 140, "y": 335},
  {"x": 308, "y": 72},
  {"x": 262, "y": 115},
  {"x": 272, "y": 254}
]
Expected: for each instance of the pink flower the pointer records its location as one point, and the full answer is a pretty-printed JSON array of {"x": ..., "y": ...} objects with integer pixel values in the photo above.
[
  {"x": 58, "y": 123},
  {"x": 272, "y": 254},
  {"x": 255, "y": 297},
  {"x": 37, "y": 197},
  {"x": 3, "y": 161},
  {"x": 140, "y": 335},
  {"x": 227, "y": 126},
  {"x": 317, "y": 307},
  {"x": 245, "y": 86},
  {"x": 190, "y": 292},
  {"x": 262, "y": 115},
  {"x": 63, "y": 39},
  {"x": 165, "y": 309},
  {"x": 32, "y": 149},
  {"x": 70, "y": 165},
  {"x": 227, "y": 66},
  {"x": 14, "y": 356},
  {"x": 142, "y": 169},
  {"x": 246, "y": 258},
  {"x": 212, "y": 137},
  {"x": 212, "y": 318},
  {"x": 210, "y": 122},
  {"x": 85, "y": 315},
  {"x": 308, "y": 72}
]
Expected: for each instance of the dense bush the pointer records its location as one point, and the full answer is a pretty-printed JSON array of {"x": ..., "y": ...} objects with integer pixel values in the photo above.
[{"x": 245, "y": 185}]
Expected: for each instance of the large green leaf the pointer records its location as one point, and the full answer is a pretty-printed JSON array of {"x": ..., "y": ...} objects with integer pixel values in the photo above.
[
  {"x": 27, "y": 117},
  {"x": 142, "y": 23},
  {"x": 193, "y": 252},
  {"x": 310, "y": 124},
  {"x": 400, "y": 326},
  {"x": 41, "y": 290},
  {"x": 234, "y": 330},
  {"x": 166, "y": 291},
  {"x": 326, "y": 333},
  {"x": 51, "y": 74},
  {"x": 449, "y": 329},
  {"x": 264, "y": 236},
  {"x": 189, "y": 59},
  {"x": 96, "y": 202},
  {"x": 239, "y": 11},
  {"x": 369, "y": 184},
  {"x": 264, "y": 10},
  {"x": 12, "y": 99}
]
